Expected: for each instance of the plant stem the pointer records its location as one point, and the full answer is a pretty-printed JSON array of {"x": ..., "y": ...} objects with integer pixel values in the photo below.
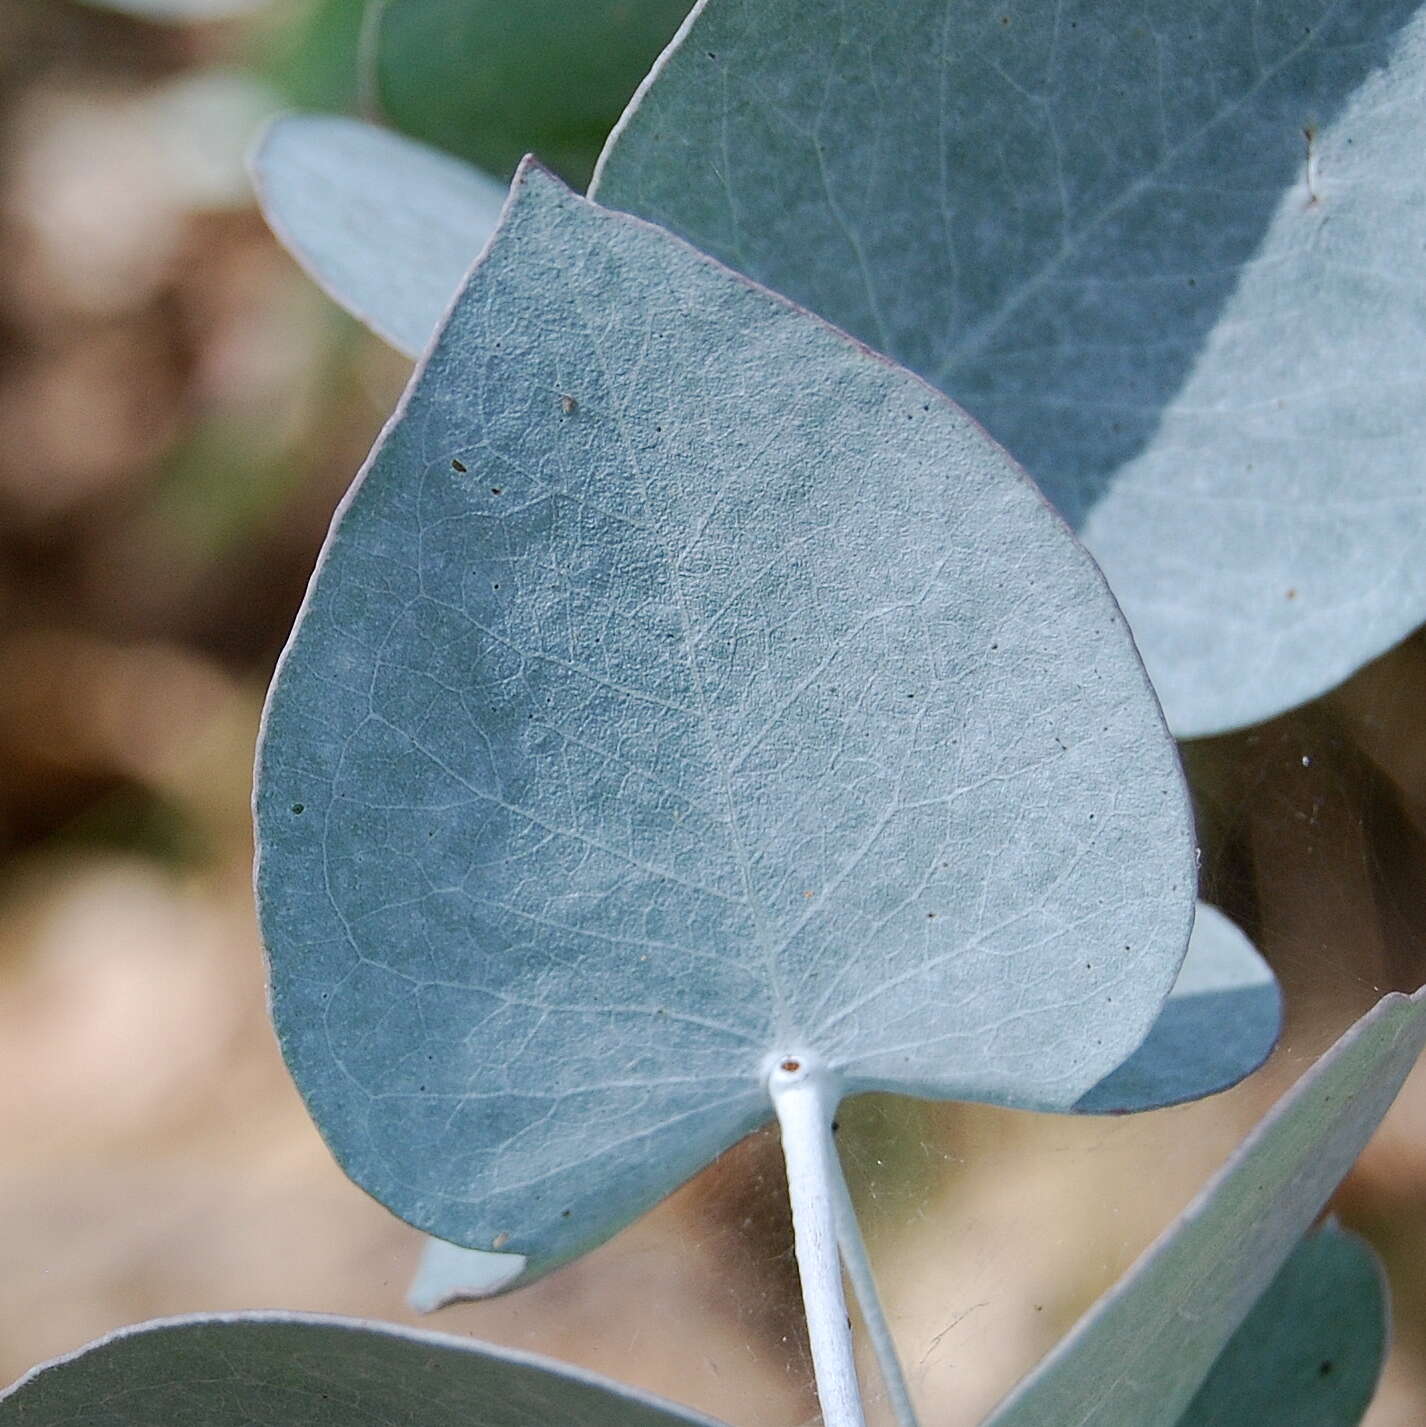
[
  {"x": 805, "y": 1094},
  {"x": 858, "y": 1266}
]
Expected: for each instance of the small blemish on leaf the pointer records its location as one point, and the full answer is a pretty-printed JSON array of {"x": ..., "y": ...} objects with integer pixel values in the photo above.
[
  {"x": 495, "y": 490},
  {"x": 568, "y": 405},
  {"x": 1309, "y": 133},
  {"x": 500, "y": 1240},
  {"x": 1324, "y": 1369},
  {"x": 458, "y": 465},
  {"x": 299, "y": 808},
  {"x": 790, "y": 1066},
  {"x": 1292, "y": 594}
]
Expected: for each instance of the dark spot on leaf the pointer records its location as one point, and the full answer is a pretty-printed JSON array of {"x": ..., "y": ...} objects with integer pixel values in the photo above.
[
  {"x": 494, "y": 490},
  {"x": 564, "y": 1213},
  {"x": 299, "y": 808},
  {"x": 457, "y": 465},
  {"x": 790, "y": 1066},
  {"x": 568, "y": 405},
  {"x": 1292, "y": 594},
  {"x": 1324, "y": 1369},
  {"x": 836, "y": 1125}
]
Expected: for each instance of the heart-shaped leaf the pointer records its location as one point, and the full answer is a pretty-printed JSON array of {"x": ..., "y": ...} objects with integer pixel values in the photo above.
[
  {"x": 298, "y": 1370},
  {"x": 490, "y": 80},
  {"x": 1169, "y": 254},
  {"x": 385, "y": 225},
  {"x": 1138, "y": 1358},
  {"x": 683, "y": 686},
  {"x": 1310, "y": 1352}
]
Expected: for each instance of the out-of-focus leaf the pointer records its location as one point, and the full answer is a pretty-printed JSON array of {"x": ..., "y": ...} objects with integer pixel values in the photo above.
[
  {"x": 387, "y": 226},
  {"x": 451, "y": 1274},
  {"x": 1310, "y": 1353},
  {"x": 180, "y": 12},
  {"x": 1168, "y": 253},
  {"x": 491, "y": 80},
  {"x": 684, "y": 686},
  {"x": 1138, "y": 1358},
  {"x": 296, "y": 1370},
  {"x": 1217, "y": 1026}
]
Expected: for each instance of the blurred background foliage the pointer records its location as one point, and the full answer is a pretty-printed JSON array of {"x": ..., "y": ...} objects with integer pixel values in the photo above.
[{"x": 179, "y": 412}]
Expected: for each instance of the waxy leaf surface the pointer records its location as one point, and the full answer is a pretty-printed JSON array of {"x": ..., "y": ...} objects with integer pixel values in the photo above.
[
  {"x": 1140, "y": 1355},
  {"x": 1219, "y": 1024},
  {"x": 294, "y": 1370},
  {"x": 684, "y": 686},
  {"x": 491, "y": 80},
  {"x": 1310, "y": 1353},
  {"x": 1169, "y": 254},
  {"x": 385, "y": 225}
]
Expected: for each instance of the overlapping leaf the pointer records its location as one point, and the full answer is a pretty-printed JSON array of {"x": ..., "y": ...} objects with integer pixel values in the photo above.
[
  {"x": 297, "y": 1370},
  {"x": 1310, "y": 1352},
  {"x": 1218, "y": 1025},
  {"x": 1168, "y": 254},
  {"x": 386, "y": 225},
  {"x": 681, "y": 686},
  {"x": 1143, "y": 1352}
]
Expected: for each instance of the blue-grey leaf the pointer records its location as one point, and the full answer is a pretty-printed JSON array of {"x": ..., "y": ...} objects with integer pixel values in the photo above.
[
  {"x": 1218, "y": 1025},
  {"x": 298, "y": 1370},
  {"x": 1310, "y": 1352},
  {"x": 448, "y": 1273},
  {"x": 1138, "y": 1358},
  {"x": 386, "y": 226},
  {"x": 1168, "y": 253},
  {"x": 682, "y": 685}
]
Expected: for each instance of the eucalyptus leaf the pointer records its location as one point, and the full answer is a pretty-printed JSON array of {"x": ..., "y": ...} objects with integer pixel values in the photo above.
[
  {"x": 491, "y": 80},
  {"x": 1310, "y": 1352},
  {"x": 385, "y": 225},
  {"x": 683, "y": 686},
  {"x": 1138, "y": 1358},
  {"x": 449, "y": 1274},
  {"x": 1218, "y": 1025},
  {"x": 180, "y": 12},
  {"x": 1169, "y": 254},
  {"x": 298, "y": 1370}
]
